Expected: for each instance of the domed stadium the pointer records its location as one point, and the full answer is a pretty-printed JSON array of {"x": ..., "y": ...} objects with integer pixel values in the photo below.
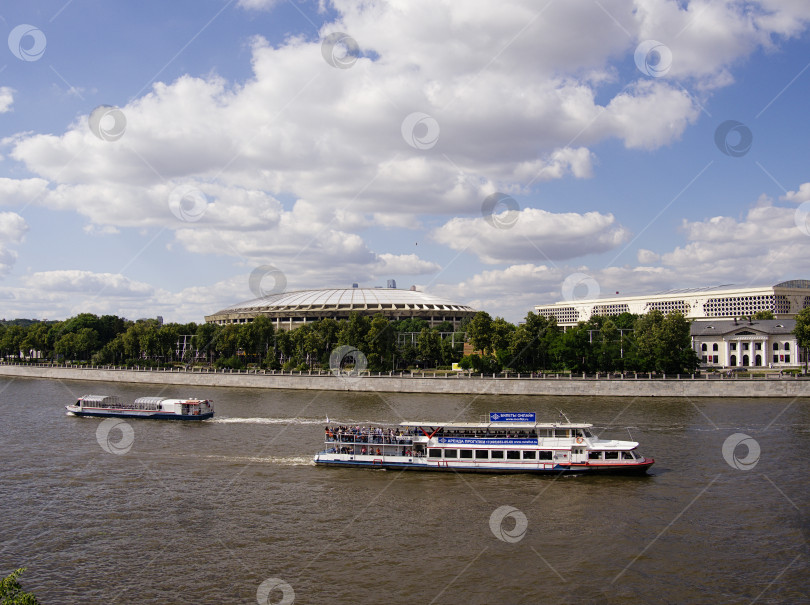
[{"x": 289, "y": 310}]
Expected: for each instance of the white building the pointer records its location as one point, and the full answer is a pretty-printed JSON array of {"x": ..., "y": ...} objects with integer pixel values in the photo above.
[
  {"x": 757, "y": 343},
  {"x": 784, "y": 300}
]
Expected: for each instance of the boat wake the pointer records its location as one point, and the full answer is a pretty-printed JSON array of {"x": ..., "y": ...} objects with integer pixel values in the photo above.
[
  {"x": 268, "y": 421},
  {"x": 278, "y": 460}
]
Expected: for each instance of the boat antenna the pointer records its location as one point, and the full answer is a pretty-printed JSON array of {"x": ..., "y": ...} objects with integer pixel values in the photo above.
[
  {"x": 629, "y": 433},
  {"x": 564, "y": 416}
]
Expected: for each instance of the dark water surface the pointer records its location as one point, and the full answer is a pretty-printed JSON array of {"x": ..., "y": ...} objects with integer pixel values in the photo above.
[{"x": 208, "y": 512}]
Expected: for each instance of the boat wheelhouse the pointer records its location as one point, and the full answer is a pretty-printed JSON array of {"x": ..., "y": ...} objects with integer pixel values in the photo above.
[
  {"x": 502, "y": 445},
  {"x": 143, "y": 407}
]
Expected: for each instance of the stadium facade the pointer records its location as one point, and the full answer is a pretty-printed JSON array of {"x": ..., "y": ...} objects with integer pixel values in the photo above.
[
  {"x": 288, "y": 310},
  {"x": 784, "y": 300}
]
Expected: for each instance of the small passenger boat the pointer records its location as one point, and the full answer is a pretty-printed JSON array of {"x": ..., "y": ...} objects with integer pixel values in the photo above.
[
  {"x": 143, "y": 407},
  {"x": 508, "y": 443}
]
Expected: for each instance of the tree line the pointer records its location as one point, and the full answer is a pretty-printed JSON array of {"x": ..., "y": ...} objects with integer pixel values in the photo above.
[
  {"x": 113, "y": 340},
  {"x": 645, "y": 343}
]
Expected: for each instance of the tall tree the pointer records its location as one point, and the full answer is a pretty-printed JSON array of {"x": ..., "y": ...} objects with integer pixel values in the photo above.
[
  {"x": 480, "y": 332},
  {"x": 802, "y": 331}
]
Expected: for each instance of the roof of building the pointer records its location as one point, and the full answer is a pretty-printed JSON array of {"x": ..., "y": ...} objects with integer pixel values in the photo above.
[
  {"x": 725, "y": 326},
  {"x": 347, "y": 299}
]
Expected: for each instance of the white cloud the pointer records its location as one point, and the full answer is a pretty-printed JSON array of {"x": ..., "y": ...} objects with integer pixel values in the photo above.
[
  {"x": 6, "y": 98},
  {"x": 800, "y": 196},
  {"x": 12, "y": 231},
  {"x": 534, "y": 235}
]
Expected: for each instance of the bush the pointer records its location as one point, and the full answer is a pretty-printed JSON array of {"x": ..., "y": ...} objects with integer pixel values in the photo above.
[{"x": 232, "y": 363}]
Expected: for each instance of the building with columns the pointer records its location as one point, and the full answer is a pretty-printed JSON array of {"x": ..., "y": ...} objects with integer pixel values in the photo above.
[
  {"x": 784, "y": 300},
  {"x": 762, "y": 343}
]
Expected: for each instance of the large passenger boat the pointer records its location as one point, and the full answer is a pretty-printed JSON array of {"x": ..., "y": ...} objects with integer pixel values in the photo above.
[
  {"x": 507, "y": 443},
  {"x": 143, "y": 407}
]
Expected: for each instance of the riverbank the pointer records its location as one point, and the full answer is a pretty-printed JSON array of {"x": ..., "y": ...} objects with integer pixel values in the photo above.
[{"x": 640, "y": 385}]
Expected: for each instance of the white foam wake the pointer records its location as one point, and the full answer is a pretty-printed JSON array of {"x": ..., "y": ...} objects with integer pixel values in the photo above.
[
  {"x": 268, "y": 421},
  {"x": 280, "y": 460}
]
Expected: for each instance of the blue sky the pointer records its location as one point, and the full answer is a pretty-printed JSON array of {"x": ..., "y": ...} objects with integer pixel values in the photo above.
[{"x": 247, "y": 138}]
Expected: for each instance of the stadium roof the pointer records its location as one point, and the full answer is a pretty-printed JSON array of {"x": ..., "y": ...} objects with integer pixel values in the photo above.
[{"x": 347, "y": 298}]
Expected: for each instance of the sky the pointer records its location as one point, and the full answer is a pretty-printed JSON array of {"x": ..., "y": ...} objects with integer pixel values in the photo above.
[{"x": 175, "y": 158}]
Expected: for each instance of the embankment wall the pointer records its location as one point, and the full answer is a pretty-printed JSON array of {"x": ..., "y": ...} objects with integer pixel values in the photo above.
[{"x": 686, "y": 386}]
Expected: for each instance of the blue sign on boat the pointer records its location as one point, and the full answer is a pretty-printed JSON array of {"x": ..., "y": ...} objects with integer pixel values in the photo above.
[{"x": 512, "y": 417}]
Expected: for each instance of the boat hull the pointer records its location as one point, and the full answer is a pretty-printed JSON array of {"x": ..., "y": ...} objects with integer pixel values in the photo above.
[
  {"x": 138, "y": 414},
  {"x": 639, "y": 468}
]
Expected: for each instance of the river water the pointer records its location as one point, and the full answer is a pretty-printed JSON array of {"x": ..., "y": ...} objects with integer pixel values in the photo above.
[{"x": 233, "y": 510}]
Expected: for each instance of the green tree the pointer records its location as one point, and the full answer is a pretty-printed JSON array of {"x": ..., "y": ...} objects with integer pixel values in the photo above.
[
  {"x": 205, "y": 339},
  {"x": 11, "y": 591},
  {"x": 664, "y": 343},
  {"x": 802, "y": 331},
  {"x": 354, "y": 331},
  {"x": 228, "y": 342},
  {"x": 36, "y": 339},
  {"x": 380, "y": 344},
  {"x": 428, "y": 346},
  {"x": 11, "y": 343},
  {"x": 480, "y": 332},
  {"x": 767, "y": 314},
  {"x": 256, "y": 337}
]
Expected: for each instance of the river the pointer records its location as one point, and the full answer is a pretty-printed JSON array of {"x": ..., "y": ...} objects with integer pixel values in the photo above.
[{"x": 232, "y": 510}]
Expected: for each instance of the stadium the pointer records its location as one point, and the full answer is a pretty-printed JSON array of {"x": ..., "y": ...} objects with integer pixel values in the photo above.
[{"x": 288, "y": 310}]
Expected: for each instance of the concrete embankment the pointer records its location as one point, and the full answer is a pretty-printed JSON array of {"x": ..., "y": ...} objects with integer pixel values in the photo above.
[{"x": 686, "y": 386}]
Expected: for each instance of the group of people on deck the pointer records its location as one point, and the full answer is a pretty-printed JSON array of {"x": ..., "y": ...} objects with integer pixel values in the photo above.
[{"x": 368, "y": 434}]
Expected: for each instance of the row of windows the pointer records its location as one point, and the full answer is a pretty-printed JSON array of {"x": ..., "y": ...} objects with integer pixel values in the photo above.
[
  {"x": 757, "y": 359},
  {"x": 745, "y": 346},
  {"x": 615, "y": 309},
  {"x": 563, "y": 314},
  {"x": 490, "y": 454},
  {"x": 667, "y": 306},
  {"x": 519, "y": 454}
]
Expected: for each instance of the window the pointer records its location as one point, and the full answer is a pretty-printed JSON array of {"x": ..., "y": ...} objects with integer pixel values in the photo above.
[
  {"x": 787, "y": 346},
  {"x": 435, "y": 453},
  {"x": 465, "y": 453},
  {"x": 497, "y": 454},
  {"x": 451, "y": 453},
  {"x": 529, "y": 455},
  {"x": 627, "y": 456},
  {"x": 594, "y": 455},
  {"x": 776, "y": 358},
  {"x": 703, "y": 347},
  {"x": 546, "y": 455},
  {"x": 482, "y": 454},
  {"x": 757, "y": 346},
  {"x": 512, "y": 455},
  {"x": 776, "y": 346},
  {"x": 715, "y": 359},
  {"x": 787, "y": 358},
  {"x": 745, "y": 346},
  {"x": 733, "y": 346},
  {"x": 611, "y": 455},
  {"x": 561, "y": 433},
  {"x": 714, "y": 348}
]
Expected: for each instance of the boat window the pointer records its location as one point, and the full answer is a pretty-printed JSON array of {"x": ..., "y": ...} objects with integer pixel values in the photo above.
[
  {"x": 587, "y": 433},
  {"x": 561, "y": 433},
  {"x": 529, "y": 455},
  {"x": 594, "y": 455},
  {"x": 451, "y": 453},
  {"x": 497, "y": 454},
  {"x": 465, "y": 453},
  {"x": 435, "y": 453},
  {"x": 627, "y": 456},
  {"x": 545, "y": 455},
  {"x": 512, "y": 455},
  {"x": 611, "y": 455},
  {"x": 482, "y": 453}
]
